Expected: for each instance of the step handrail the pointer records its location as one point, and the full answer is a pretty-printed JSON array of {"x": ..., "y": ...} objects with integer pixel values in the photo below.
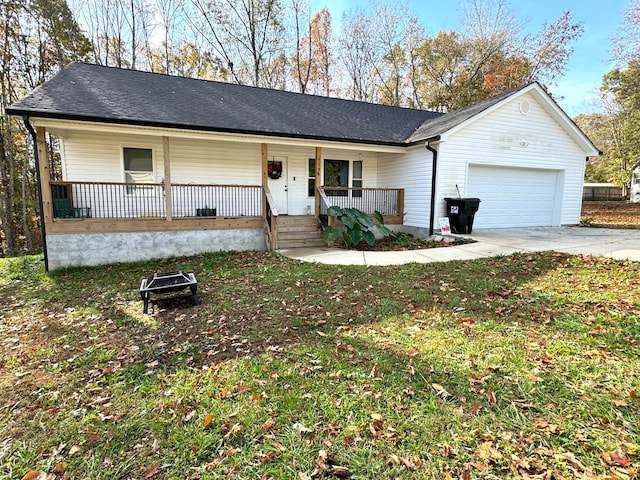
[
  {"x": 324, "y": 199},
  {"x": 271, "y": 219}
]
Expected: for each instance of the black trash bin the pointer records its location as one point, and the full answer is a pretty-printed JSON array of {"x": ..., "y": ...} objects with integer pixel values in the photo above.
[{"x": 461, "y": 212}]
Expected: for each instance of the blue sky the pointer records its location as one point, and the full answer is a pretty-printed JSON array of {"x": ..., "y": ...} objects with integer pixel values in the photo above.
[{"x": 590, "y": 60}]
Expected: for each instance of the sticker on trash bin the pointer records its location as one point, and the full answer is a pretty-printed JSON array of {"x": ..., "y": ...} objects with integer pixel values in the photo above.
[
  {"x": 453, "y": 209},
  {"x": 445, "y": 228}
]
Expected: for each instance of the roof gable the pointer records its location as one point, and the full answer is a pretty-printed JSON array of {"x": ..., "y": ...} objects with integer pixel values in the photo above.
[
  {"x": 452, "y": 122},
  {"x": 440, "y": 125}
]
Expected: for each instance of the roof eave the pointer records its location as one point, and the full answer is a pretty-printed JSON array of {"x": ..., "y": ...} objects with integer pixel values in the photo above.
[{"x": 140, "y": 123}]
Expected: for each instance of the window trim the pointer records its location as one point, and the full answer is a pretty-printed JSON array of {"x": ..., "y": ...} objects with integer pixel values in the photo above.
[{"x": 133, "y": 189}]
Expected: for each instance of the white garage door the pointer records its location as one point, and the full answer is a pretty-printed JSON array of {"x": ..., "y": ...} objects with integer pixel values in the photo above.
[{"x": 513, "y": 197}]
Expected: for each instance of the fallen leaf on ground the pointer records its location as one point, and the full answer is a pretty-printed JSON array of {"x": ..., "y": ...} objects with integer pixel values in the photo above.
[
  {"x": 615, "y": 458},
  {"x": 234, "y": 429},
  {"x": 74, "y": 449},
  {"x": 440, "y": 390},
  {"x": 268, "y": 425},
  {"x": 35, "y": 475},
  {"x": 153, "y": 470},
  {"x": 300, "y": 428}
]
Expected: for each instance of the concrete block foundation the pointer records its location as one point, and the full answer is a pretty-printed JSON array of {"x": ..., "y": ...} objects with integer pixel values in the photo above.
[{"x": 76, "y": 250}]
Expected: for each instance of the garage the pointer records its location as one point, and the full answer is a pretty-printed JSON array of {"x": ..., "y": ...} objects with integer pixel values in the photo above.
[{"x": 515, "y": 197}]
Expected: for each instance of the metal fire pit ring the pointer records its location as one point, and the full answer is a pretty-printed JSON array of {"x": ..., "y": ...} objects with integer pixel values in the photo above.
[{"x": 169, "y": 282}]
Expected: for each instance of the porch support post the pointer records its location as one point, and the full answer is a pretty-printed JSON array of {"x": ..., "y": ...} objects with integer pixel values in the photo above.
[
  {"x": 318, "y": 180},
  {"x": 265, "y": 179},
  {"x": 45, "y": 174},
  {"x": 167, "y": 178},
  {"x": 401, "y": 204}
]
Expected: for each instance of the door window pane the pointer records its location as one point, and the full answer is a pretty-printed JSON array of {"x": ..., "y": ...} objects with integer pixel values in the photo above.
[{"x": 311, "y": 186}]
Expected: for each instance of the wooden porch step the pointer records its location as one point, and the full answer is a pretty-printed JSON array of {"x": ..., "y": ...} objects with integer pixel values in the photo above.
[
  {"x": 308, "y": 242},
  {"x": 298, "y": 235},
  {"x": 297, "y": 228},
  {"x": 297, "y": 220},
  {"x": 299, "y": 231}
]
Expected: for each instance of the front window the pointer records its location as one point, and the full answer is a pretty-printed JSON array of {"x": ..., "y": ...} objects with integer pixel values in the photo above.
[
  {"x": 138, "y": 167},
  {"x": 336, "y": 174}
]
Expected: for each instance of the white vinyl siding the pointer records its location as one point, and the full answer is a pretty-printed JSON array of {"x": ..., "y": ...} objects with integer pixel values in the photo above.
[
  {"x": 89, "y": 156},
  {"x": 411, "y": 171},
  {"x": 96, "y": 157},
  {"x": 215, "y": 162},
  {"x": 507, "y": 138}
]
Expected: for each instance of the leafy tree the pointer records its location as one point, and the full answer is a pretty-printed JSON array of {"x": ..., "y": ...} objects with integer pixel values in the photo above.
[
  {"x": 187, "y": 60},
  {"x": 37, "y": 37},
  {"x": 549, "y": 51},
  {"x": 490, "y": 56},
  {"x": 439, "y": 62},
  {"x": 604, "y": 132},
  {"x": 357, "y": 54},
  {"x": 626, "y": 45},
  {"x": 620, "y": 92},
  {"x": 312, "y": 60},
  {"x": 248, "y": 35}
]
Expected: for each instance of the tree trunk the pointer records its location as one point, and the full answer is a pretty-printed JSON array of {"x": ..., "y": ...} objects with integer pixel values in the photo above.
[{"x": 7, "y": 193}]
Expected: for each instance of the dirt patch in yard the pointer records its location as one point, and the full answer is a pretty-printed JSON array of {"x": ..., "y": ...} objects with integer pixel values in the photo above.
[
  {"x": 611, "y": 214},
  {"x": 409, "y": 242}
]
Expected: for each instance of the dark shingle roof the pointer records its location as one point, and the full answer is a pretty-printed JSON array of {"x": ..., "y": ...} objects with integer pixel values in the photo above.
[{"x": 97, "y": 93}]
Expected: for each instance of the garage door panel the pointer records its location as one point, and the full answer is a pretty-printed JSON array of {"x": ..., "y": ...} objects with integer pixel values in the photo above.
[{"x": 513, "y": 197}]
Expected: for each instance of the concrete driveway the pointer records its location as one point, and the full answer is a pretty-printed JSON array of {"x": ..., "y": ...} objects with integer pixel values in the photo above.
[{"x": 614, "y": 243}]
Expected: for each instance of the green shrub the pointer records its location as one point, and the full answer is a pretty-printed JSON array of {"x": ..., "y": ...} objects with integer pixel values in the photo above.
[{"x": 357, "y": 226}]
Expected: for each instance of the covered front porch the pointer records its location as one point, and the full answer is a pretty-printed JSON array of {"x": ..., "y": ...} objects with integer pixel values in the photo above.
[{"x": 81, "y": 206}]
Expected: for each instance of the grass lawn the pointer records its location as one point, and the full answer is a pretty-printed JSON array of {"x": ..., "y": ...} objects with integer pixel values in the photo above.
[{"x": 526, "y": 366}]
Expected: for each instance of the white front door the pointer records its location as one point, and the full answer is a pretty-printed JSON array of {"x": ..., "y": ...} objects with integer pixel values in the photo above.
[{"x": 278, "y": 177}]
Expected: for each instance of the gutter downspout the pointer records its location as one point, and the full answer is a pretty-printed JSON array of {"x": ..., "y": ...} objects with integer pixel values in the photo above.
[
  {"x": 25, "y": 119},
  {"x": 434, "y": 166}
]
